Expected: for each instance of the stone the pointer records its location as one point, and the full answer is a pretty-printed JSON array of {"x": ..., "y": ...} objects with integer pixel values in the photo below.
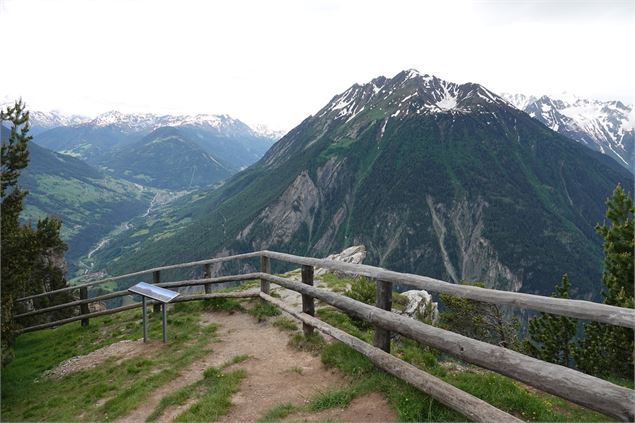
[
  {"x": 420, "y": 301},
  {"x": 355, "y": 255}
]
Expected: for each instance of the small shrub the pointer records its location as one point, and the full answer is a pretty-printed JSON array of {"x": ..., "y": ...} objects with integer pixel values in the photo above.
[{"x": 362, "y": 290}]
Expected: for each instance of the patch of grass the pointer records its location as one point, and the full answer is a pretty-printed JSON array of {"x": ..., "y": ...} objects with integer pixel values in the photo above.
[
  {"x": 278, "y": 412},
  {"x": 119, "y": 386},
  {"x": 399, "y": 301},
  {"x": 285, "y": 323},
  {"x": 413, "y": 405},
  {"x": 346, "y": 323},
  {"x": 213, "y": 384},
  {"x": 216, "y": 401},
  {"x": 263, "y": 310},
  {"x": 235, "y": 360},
  {"x": 330, "y": 399},
  {"x": 336, "y": 283},
  {"x": 312, "y": 343}
]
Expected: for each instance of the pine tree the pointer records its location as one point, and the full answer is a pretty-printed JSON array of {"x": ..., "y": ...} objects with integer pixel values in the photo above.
[
  {"x": 26, "y": 265},
  {"x": 16, "y": 249},
  {"x": 483, "y": 321},
  {"x": 551, "y": 337},
  {"x": 606, "y": 349}
]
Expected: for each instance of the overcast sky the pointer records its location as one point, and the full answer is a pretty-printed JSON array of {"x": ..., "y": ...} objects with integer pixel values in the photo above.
[{"x": 276, "y": 61}]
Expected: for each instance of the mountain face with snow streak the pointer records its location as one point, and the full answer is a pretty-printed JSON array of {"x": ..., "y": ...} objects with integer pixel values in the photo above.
[
  {"x": 604, "y": 126},
  {"x": 435, "y": 178}
]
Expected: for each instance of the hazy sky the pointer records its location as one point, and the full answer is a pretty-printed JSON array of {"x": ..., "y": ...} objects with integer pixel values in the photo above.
[{"x": 276, "y": 61}]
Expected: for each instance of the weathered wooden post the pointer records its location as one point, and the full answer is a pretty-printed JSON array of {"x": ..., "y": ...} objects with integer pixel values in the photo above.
[
  {"x": 265, "y": 267},
  {"x": 207, "y": 273},
  {"x": 308, "y": 305},
  {"x": 156, "y": 278},
  {"x": 83, "y": 308},
  {"x": 383, "y": 300}
]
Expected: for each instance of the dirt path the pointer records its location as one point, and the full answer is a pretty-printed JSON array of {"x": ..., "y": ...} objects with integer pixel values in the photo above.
[{"x": 276, "y": 374}]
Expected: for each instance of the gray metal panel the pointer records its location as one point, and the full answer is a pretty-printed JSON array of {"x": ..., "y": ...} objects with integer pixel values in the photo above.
[{"x": 155, "y": 292}]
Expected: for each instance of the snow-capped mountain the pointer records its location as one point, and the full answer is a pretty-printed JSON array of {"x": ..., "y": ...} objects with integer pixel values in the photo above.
[
  {"x": 411, "y": 92},
  {"x": 605, "y": 126},
  {"x": 41, "y": 121},
  {"x": 148, "y": 121},
  {"x": 266, "y": 132}
]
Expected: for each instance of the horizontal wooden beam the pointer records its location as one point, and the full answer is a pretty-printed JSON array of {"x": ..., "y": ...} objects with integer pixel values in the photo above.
[
  {"x": 116, "y": 294},
  {"x": 248, "y": 293},
  {"x": 578, "y": 309},
  {"x": 144, "y": 272},
  {"x": 466, "y": 404},
  {"x": 588, "y": 391}
]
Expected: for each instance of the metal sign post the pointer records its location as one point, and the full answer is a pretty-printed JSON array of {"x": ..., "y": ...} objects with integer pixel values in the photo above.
[{"x": 162, "y": 295}]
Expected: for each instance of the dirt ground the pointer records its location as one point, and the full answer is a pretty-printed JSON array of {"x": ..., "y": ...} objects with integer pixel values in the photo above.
[
  {"x": 122, "y": 350},
  {"x": 276, "y": 374}
]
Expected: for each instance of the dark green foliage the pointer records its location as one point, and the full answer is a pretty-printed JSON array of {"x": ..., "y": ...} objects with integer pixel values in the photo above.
[
  {"x": 605, "y": 349},
  {"x": 32, "y": 259},
  {"x": 551, "y": 337},
  {"x": 483, "y": 321}
]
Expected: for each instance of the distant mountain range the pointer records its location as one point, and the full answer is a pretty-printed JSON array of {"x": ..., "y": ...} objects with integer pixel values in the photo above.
[
  {"x": 605, "y": 126},
  {"x": 436, "y": 178},
  {"x": 204, "y": 149}
]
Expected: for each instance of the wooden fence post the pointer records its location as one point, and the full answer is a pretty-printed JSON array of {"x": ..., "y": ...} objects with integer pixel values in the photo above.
[
  {"x": 308, "y": 305},
  {"x": 383, "y": 300},
  {"x": 83, "y": 308},
  {"x": 265, "y": 267},
  {"x": 156, "y": 278},
  {"x": 207, "y": 273}
]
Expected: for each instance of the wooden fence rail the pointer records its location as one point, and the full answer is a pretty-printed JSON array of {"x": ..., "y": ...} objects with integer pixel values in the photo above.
[
  {"x": 578, "y": 309},
  {"x": 591, "y": 392}
]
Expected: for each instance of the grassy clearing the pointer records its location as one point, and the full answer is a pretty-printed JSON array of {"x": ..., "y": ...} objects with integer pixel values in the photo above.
[{"x": 118, "y": 387}]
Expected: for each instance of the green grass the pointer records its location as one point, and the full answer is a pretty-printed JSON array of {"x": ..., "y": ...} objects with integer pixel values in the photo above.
[
  {"x": 336, "y": 283},
  {"x": 286, "y": 324},
  {"x": 216, "y": 401},
  {"x": 413, "y": 405},
  {"x": 312, "y": 343},
  {"x": 278, "y": 412},
  {"x": 216, "y": 388},
  {"x": 118, "y": 386},
  {"x": 263, "y": 310},
  {"x": 229, "y": 305}
]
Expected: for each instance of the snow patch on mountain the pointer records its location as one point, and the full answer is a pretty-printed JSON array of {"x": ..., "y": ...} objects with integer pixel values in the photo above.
[
  {"x": 408, "y": 92},
  {"x": 605, "y": 126}
]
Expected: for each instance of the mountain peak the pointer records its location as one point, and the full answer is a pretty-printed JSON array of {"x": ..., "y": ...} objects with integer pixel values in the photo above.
[{"x": 410, "y": 91}]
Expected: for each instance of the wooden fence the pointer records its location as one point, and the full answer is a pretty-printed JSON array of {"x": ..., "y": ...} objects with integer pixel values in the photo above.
[{"x": 588, "y": 391}]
